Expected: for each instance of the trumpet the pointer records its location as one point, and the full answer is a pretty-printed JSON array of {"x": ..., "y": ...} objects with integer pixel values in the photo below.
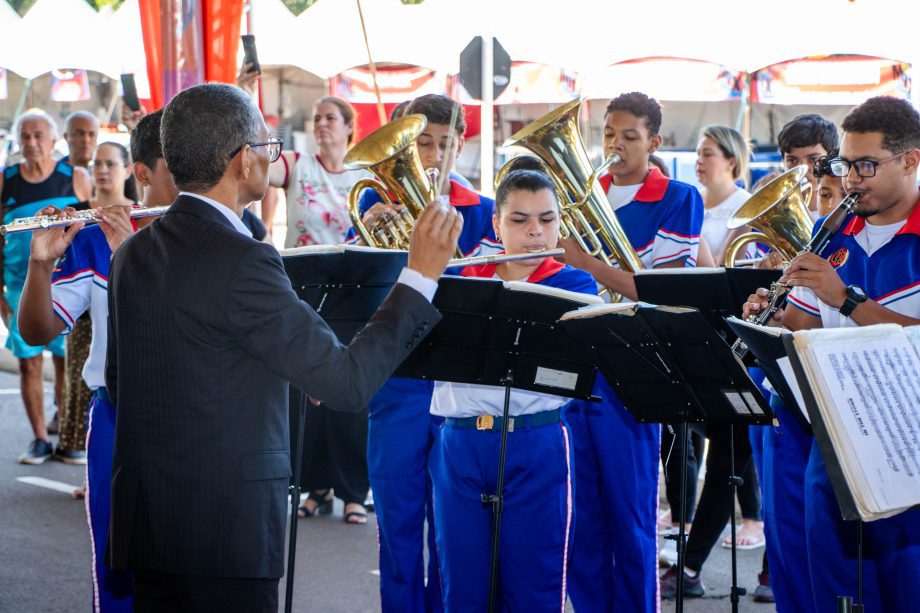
[
  {"x": 779, "y": 292},
  {"x": 43, "y": 222}
]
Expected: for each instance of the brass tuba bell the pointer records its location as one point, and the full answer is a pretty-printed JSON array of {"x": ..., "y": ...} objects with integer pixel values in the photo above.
[
  {"x": 586, "y": 213},
  {"x": 779, "y": 211},
  {"x": 390, "y": 153}
]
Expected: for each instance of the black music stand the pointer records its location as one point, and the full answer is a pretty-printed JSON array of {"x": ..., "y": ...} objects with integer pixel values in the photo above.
[
  {"x": 492, "y": 334},
  {"x": 668, "y": 365},
  {"x": 716, "y": 292},
  {"x": 344, "y": 285}
]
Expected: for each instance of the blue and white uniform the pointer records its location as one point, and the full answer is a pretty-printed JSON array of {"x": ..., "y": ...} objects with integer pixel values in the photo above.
[
  {"x": 21, "y": 198},
  {"x": 616, "y": 458},
  {"x": 80, "y": 283},
  {"x": 401, "y": 432},
  {"x": 537, "y": 521},
  {"x": 885, "y": 262}
]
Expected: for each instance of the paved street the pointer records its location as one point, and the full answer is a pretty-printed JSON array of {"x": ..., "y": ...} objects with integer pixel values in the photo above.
[{"x": 45, "y": 552}]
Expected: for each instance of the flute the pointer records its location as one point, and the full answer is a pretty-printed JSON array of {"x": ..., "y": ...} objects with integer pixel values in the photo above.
[
  {"x": 42, "y": 222},
  {"x": 504, "y": 257}
]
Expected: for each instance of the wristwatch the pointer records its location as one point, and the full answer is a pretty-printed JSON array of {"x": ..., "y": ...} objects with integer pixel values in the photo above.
[{"x": 855, "y": 296}]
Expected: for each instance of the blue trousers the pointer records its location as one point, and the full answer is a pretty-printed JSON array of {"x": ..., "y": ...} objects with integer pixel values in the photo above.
[
  {"x": 782, "y": 482},
  {"x": 401, "y": 432},
  {"x": 891, "y": 550},
  {"x": 615, "y": 557},
  {"x": 536, "y": 523},
  {"x": 112, "y": 590}
]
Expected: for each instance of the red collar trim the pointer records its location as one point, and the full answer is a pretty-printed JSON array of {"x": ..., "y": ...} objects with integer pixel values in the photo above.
[
  {"x": 912, "y": 226},
  {"x": 332, "y": 172},
  {"x": 462, "y": 196},
  {"x": 547, "y": 268},
  {"x": 652, "y": 190}
]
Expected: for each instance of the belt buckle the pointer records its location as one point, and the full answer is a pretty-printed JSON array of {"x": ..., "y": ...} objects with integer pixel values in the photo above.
[{"x": 484, "y": 422}]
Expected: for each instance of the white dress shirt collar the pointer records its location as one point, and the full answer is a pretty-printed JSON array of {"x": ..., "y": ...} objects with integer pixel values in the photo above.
[{"x": 235, "y": 221}]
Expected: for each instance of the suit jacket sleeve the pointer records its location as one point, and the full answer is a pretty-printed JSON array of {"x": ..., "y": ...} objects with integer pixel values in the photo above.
[{"x": 275, "y": 326}]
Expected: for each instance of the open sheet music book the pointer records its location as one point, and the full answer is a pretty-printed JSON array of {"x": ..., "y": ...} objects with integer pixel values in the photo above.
[{"x": 864, "y": 399}]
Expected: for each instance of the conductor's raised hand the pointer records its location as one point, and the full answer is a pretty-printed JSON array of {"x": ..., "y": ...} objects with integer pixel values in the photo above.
[
  {"x": 434, "y": 239},
  {"x": 115, "y": 223},
  {"x": 49, "y": 244},
  {"x": 757, "y": 303}
]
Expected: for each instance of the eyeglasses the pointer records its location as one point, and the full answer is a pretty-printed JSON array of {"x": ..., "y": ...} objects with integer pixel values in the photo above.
[
  {"x": 840, "y": 167},
  {"x": 273, "y": 144}
]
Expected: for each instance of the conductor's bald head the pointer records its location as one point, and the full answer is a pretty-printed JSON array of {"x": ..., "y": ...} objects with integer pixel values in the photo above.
[{"x": 202, "y": 128}]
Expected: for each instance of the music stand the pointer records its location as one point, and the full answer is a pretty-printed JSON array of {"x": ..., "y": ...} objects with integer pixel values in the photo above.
[
  {"x": 503, "y": 334},
  {"x": 668, "y": 365},
  {"x": 344, "y": 285}
]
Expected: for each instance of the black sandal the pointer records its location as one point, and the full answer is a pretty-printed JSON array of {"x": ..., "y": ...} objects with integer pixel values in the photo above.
[
  {"x": 356, "y": 517},
  {"x": 323, "y": 502}
]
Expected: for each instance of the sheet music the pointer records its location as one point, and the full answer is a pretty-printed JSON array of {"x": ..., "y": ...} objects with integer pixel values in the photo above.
[
  {"x": 868, "y": 383},
  {"x": 534, "y": 288}
]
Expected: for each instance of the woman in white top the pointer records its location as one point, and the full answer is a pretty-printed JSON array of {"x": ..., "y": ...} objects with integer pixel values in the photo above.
[
  {"x": 318, "y": 185},
  {"x": 722, "y": 159}
]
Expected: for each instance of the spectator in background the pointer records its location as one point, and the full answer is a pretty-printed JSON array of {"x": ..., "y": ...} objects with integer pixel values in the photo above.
[
  {"x": 25, "y": 189},
  {"x": 81, "y": 132}
]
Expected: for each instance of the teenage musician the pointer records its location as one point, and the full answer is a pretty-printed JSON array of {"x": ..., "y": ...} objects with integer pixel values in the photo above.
[
  {"x": 538, "y": 466},
  {"x": 870, "y": 277},
  {"x": 616, "y": 457},
  {"x": 400, "y": 430}
]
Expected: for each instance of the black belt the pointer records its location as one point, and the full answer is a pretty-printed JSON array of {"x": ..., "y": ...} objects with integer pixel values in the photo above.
[{"x": 489, "y": 422}]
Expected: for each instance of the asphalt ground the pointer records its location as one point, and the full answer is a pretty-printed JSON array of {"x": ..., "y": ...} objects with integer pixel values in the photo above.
[{"x": 45, "y": 555}]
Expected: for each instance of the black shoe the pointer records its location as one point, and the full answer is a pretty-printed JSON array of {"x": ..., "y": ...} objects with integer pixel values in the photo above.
[
  {"x": 763, "y": 592},
  {"x": 69, "y": 456},
  {"x": 38, "y": 452},
  {"x": 53, "y": 426},
  {"x": 693, "y": 586}
]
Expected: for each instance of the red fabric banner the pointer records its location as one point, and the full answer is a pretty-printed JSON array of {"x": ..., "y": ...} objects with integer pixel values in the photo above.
[
  {"x": 222, "y": 19},
  {"x": 153, "y": 50}
]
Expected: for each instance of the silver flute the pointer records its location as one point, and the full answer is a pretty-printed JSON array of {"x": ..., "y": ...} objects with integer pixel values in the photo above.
[
  {"x": 43, "y": 222},
  {"x": 504, "y": 257}
]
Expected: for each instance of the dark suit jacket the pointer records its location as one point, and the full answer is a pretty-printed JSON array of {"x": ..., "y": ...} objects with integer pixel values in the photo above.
[{"x": 205, "y": 333}]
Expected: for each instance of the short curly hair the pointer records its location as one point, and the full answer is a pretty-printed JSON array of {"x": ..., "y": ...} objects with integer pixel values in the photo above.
[
  {"x": 438, "y": 109},
  {"x": 896, "y": 119},
  {"x": 641, "y": 106}
]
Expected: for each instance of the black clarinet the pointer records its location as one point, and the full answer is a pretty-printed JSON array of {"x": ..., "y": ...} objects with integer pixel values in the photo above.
[{"x": 779, "y": 292}]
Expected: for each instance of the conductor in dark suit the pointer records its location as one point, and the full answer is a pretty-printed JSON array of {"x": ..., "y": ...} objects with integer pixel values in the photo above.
[{"x": 205, "y": 332}]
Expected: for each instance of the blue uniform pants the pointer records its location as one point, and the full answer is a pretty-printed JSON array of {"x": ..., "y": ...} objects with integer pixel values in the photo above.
[
  {"x": 785, "y": 457},
  {"x": 615, "y": 557},
  {"x": 401, "y": 432},
  {"x": 891, "y": 550},
  {"x": 112, "y": 590},
  {"x": 536, "y": 522}
]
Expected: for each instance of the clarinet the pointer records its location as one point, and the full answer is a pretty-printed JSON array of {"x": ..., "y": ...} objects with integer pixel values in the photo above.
[{"x": 779, "y": 292}]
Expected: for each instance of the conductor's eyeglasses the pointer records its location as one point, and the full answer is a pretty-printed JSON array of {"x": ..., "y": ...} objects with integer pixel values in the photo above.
[
  {"x": 840, "y": 167},
  {"x": 273, "y": 144}
]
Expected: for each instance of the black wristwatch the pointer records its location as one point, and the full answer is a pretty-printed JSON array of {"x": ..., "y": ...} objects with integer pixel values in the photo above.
[{"x": 855, "y": 296}]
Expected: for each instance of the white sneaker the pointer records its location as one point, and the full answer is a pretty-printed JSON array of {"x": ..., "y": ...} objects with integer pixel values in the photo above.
[{"x": 667, "y": 555}]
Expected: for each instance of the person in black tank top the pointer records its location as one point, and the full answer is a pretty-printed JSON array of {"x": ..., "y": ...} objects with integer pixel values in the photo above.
[{"x": 25, "y": 188}]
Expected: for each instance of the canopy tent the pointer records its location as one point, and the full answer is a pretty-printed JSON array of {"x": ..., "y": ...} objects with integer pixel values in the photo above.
[
  {"x": 581, "y": 35},
  {"x": 71, "y": 34}
]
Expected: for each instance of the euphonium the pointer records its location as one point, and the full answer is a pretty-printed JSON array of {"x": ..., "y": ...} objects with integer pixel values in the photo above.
[
  {"x": 586, "y": 213},
  {"x": 390, "y": 153},
  {"x": 779, "y": 210}
]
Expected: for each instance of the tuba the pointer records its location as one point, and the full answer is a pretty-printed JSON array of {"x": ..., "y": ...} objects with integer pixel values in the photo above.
[
  {"x": 586, "y": 213},
  {"x": 390, "y": 153},
  {"x": 779, "y": 211}
]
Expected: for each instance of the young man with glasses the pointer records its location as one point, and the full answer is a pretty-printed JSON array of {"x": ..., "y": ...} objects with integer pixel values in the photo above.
[{"x": 869, "y": 275}]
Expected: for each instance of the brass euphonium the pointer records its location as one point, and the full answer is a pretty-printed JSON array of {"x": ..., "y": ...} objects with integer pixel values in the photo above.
[
  {"x": 586, "y": 213},
  {"x": 391, "y": 154},
  {"x": 779, "y": 213}
]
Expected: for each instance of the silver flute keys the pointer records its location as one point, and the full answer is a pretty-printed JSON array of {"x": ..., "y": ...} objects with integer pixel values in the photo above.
[{"x": 42, "y": 222}]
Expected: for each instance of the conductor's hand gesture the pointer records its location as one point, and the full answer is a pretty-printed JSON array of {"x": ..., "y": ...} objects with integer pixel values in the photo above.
[{"x": 434, "y": 239}]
